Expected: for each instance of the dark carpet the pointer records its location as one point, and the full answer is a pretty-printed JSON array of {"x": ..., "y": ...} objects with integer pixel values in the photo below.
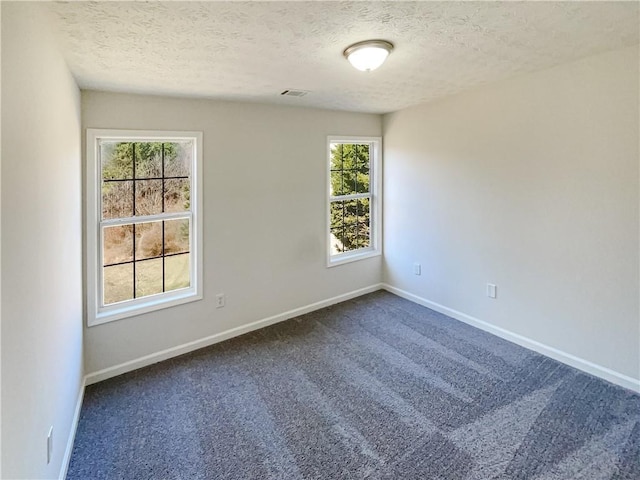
[{"x": 373, "y": 388}]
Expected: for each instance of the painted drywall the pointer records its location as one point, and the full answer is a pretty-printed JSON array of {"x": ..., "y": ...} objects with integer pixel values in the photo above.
[
  {"x": 41, "y": 247},
  {"x": 530, "y": 184},
  {"x": 0, "y": 262},
  {"x": 264, "y": 216}
]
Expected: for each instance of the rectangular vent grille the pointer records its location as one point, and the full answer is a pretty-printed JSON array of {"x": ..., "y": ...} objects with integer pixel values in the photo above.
[{"x": 294, "y": 93}]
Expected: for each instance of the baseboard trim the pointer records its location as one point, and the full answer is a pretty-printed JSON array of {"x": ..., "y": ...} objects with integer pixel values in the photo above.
[
  {"x": 72, "y": 432},
  {"x": 146, "y": 360},
  {"x": 566, "y": 358}
]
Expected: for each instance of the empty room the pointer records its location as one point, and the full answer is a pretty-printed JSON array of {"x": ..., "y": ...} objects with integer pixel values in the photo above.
[{"x": 320, "y": 240}]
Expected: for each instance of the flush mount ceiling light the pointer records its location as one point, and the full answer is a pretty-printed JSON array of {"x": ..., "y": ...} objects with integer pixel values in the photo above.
[{"x": 368, "y": 55}]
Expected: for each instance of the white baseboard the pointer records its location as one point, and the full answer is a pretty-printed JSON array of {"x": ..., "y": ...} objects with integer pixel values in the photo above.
[
  {"x": 219, "y": 337},
  {"x": 571, "y": 360},
  {"x": 72, "y": 433}
]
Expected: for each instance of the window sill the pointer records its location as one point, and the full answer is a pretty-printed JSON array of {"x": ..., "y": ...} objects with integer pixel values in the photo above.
[
  {"x": 146, "y": 305},
  {"x": 349, "y": 257}
]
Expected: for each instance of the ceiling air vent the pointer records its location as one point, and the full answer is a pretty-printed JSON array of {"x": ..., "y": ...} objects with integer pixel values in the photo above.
[{"x": 294, "y": 93}]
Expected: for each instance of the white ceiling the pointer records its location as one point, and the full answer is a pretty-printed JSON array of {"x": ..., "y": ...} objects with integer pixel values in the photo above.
[{"x": 252, "y": 51}]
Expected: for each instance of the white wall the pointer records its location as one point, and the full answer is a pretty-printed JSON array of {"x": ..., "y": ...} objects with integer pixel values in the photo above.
[
  {"x": 531, "y": 184},
  {"x": 41, "y": 246},
  {"x": 264, "y": 216},
  {"x": 0, "y": 262}
]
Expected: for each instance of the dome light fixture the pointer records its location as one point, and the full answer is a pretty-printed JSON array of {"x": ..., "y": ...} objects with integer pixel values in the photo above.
[{"x": 368, "y": 55}]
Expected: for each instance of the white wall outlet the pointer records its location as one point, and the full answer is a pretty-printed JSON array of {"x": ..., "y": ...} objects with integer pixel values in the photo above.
[
  {"x": 220, "y": 300},
  {"x": 417, "y": 270},
  {"x": 49, "y": 444},
  {"x": 492, "y": 290}
]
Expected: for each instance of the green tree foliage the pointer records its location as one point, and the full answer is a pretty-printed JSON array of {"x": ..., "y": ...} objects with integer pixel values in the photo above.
[
  {"x": 349, "y": 175},
  {"x": 118, "y": 162}
]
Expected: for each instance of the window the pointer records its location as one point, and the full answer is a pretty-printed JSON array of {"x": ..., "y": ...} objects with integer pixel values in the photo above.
[
  {"x": 144, "y": 198},
  {"x": 354, "y": 199}
]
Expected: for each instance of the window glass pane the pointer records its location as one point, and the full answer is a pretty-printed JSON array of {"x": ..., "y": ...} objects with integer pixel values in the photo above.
[
  {"x": 350, "y": 239},
  {"x": 148, "y": 277},
  {"x": 350, "y": 177},
  {"x": 178, "y": 157},
  {"x": 117, "y": 244},
  {"x": 117, "y": 199},
  {"x": 363, "y": 238},
  {"x": 336, "y": 240},
  {"x": 363, "y": 214},
  {"x": 349, "y": 180},
  {"x": 344, "y": 227},
  {"x": 148, "y": 197},
  {"x": 362, "y": 210},
  {"x": 176, "y": 272},
  {"x": 148, "y": 240},
  {"x": 349, "y": 169},
  {"x": 336, "y": 183},
  {"x": 148, "y": 159},
  {"x": 350, "y": 214},
  {"x": 362, "y": 180},
  {"x": 349, "y": 224},
  {"x": 349, "y": 156},
  {"x": 116, "y": 159},
  {"x": 336, "y": 213},
  {"x": 118, "y": 283},
  {"x": 362, "y": 157},
  {"x": 177, "y": 195},
  {"x": 176, "y": 236},
  {"x": 336, "y": 156}
]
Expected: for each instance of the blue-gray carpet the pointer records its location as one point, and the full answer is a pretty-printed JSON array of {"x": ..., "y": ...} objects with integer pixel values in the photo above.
[{"x": 373, "y": 388}]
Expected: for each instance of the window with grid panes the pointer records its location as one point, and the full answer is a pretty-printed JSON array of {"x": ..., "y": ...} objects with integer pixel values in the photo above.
[
  {"x": 354, "y": 199},
  {"x": 143, "y": 213}
]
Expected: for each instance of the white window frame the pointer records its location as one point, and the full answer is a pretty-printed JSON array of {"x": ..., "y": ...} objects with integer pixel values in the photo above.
[
  {"x": 96, "y": 312},
  {"x": 375, "y": 195}
]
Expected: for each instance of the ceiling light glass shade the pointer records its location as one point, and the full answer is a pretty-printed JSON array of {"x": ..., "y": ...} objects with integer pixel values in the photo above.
[{"x": 368, "y": 55}]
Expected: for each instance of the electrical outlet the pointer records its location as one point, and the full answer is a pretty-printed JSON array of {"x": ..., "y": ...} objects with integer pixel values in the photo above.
[
  {"x": 417, "y": 270},
  {"x": 492, "y": 290},
  {"x": 49, "y": 445},
  {"x": 220, "y": 300}
]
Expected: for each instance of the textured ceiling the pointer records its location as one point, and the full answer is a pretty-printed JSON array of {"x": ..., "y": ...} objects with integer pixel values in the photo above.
[{"x": 254, "y": 50}]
